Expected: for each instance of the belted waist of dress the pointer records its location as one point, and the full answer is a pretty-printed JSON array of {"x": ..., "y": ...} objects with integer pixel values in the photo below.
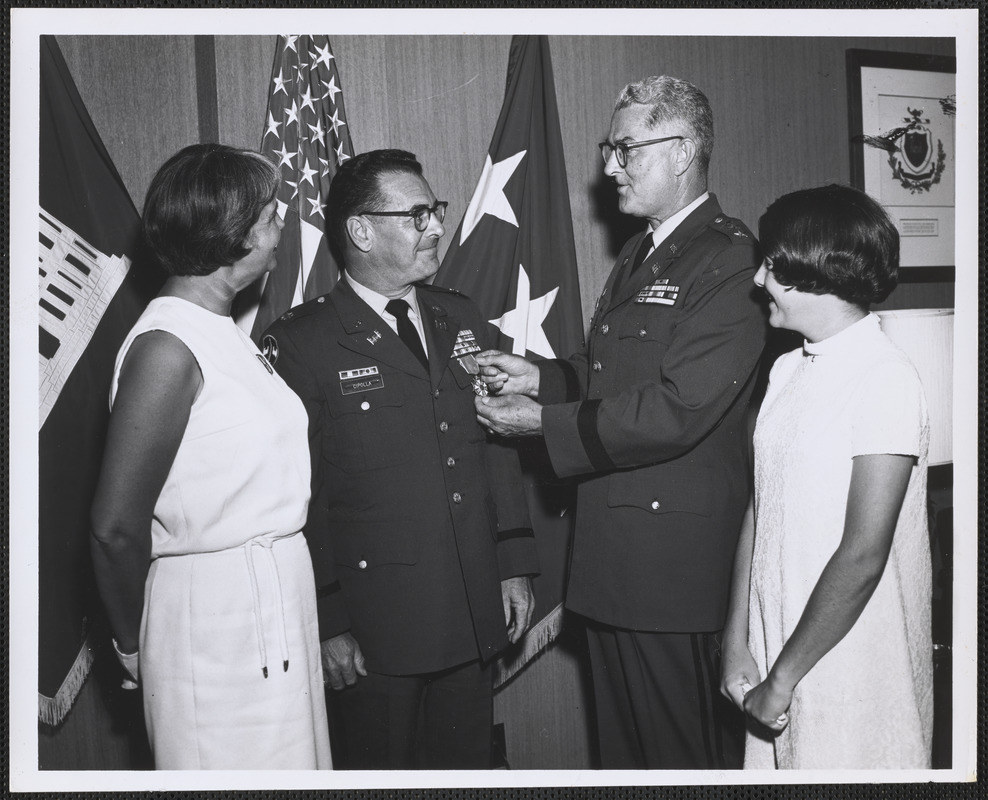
[{"x": 260, "y": 549}]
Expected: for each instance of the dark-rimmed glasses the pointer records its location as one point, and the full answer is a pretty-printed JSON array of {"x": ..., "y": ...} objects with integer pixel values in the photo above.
[
  {"x": 420, "y": 214},
  {"x": 621, "y": 149}
]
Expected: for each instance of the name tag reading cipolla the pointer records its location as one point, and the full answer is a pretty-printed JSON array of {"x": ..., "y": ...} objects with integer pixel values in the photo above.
[{"x": 364, "y": 379}]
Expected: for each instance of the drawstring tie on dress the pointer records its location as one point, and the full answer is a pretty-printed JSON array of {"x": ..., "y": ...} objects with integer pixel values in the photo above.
[{"x": 250, "y": 548}]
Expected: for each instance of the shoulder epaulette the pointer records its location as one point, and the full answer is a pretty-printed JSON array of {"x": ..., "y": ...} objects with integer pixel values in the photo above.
[
  {"x": 441, "y": 289},
  {"x": 303, "y": 310},
  {"x": 734, "y": 229}
]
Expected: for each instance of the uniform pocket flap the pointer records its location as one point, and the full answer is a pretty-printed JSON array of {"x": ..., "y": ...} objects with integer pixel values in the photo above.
[
  {"x": 688, "y": 492},
  {"x": 362, "y": 545},
  {"x": 643, "y": 330}
]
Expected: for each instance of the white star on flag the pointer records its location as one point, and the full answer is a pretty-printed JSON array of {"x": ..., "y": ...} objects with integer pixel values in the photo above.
[
  {"x": 318, "y": 134},
  {"x": 291, "y": 114},
  {"x": 284, "y": 156},
  {"x": 272, "y": 126},
  {"x": 489, "y": 197},
  {"x": 316, "y": 204},
  {"x": 523, "y": 323},
  {"x": 306, "y": 173},
  {"x": 331, "y": 90},
  {"x": 340, "y": 155},
  {"x": 279, "y": 85},
  {"x": 336, "y": 122},
  {"x": 324, "y": 55}
]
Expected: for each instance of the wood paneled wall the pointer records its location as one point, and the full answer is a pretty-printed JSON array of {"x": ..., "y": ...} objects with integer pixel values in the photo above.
[{"x": 780, "y": 113}]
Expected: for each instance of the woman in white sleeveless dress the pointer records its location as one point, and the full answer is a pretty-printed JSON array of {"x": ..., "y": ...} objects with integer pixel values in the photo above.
[
  {"x": 828, "y": 643},
  {"x": 197, "y": 543}
]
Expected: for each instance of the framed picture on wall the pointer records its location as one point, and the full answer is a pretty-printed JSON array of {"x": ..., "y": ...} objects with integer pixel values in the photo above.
[{"x": 902, "y": 109}]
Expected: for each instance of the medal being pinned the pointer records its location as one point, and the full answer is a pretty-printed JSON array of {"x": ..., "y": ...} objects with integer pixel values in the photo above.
[{"x": 466, "y": 345}]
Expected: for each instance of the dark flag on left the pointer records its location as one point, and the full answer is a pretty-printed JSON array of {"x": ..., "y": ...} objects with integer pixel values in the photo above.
[{"x": 89, "y": 298}]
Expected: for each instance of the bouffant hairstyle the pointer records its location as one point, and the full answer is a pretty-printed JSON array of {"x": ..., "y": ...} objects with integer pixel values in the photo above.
[
  {"x": 202, "y": 204},
  {"x": 832, "y": 240},
  {"x": 357, "y": 188},
  {"x": 674, "y": 100}
]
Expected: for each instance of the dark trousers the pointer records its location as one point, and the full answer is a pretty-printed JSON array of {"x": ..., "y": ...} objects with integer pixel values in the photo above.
[
  {"x": 658, "y": 702},
  {"x": 440, "y": 720}
]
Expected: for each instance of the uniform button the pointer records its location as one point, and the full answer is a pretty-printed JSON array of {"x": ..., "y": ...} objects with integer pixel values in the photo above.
[
  {"x": 362, "y": 564},
  {"x": 435, "y": 393},
  {"x": 444, "y": 426},
  {"x": 642, "y": 332},
  {"x": 597, "y": 366},
  {"x": 451, "y": 462},
  {"x": 365, "y": 406},
  {"x": 605, "y": 328},
  {"x": 321, "y": 300},
  {"x": 655, "y": 505},
  {"x": 457, "y": 497}
]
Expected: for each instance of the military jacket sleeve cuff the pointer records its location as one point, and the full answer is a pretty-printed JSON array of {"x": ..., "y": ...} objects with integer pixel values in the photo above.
[
  {"x": 557, "y": 382},
  {"x": 572, "y": 439},
  {"x": 516, "y": 553},
  {"x": 333, "y": 618}
]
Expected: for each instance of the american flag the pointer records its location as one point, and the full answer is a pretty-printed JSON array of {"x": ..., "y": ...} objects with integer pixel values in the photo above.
[{"x": 307, "y": 136}]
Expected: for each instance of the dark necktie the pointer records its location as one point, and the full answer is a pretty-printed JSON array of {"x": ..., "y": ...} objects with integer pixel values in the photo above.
[
  {"x": 629, "y": 270},
  {"x": 406, "y": 330}
]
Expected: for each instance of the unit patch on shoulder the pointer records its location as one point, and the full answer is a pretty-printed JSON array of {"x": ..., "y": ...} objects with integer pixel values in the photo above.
[{"x": 269, "y": 349}]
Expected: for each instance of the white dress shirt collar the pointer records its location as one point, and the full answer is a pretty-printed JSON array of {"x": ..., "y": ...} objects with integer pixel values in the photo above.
[
  {"x": 378, "y": 302},
  {"x": 669, "y": 225}
]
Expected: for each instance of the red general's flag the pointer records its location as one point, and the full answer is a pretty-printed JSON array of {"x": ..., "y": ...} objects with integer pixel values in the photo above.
[
  {"x": 514, "y": 255},
  {"x": 306, "y": 135},
  {"x": 89, "y": 298}
]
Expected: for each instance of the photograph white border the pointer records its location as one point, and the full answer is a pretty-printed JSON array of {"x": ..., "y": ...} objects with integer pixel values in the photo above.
[{"x": 28, "y": 24}]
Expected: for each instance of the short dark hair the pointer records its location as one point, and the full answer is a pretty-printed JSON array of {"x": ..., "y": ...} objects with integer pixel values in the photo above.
[
  {"x": 356, "y": 188},
  {"x": 674, "y": 100},
  {"x": 832, "y": 240},
  {"x": 202, "y": 204}
]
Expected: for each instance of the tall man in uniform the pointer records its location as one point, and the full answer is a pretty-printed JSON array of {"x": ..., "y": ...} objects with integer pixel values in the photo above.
[
  {"x": 652, "y": 417},
  {"x": 418, "y": 529}
]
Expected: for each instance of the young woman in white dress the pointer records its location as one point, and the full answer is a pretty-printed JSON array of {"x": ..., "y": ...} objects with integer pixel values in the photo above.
[
  {"x": 828, "y": 647},
  {"x": 196, "y": 537}
]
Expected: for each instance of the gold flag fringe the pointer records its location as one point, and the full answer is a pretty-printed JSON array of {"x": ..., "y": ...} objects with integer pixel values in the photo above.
[
  {"x": 533, "y": 643},
  {"x": 53, "y": 710}
]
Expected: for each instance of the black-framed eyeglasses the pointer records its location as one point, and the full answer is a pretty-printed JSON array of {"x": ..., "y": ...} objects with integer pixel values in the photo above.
[
  {"x": 420, "y": 214},
  {"x": 621, "y": 149}
]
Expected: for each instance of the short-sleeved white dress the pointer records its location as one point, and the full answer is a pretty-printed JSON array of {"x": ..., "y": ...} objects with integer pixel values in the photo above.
[
  {"x": 868, "y": 703},
  {"x": 229, "y": 648}
]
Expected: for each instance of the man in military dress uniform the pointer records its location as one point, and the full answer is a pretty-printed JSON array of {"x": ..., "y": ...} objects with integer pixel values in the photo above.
[
  {"x": 652, "y": 415},
  {"x": 419, "y": 533}
]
